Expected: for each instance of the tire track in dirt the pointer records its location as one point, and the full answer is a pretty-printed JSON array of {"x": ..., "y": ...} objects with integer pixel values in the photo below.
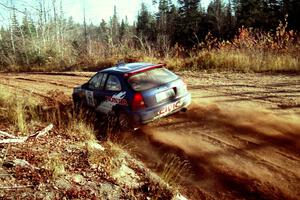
[
  {"x": 254, "y": 145},
  {"x": 273, "y": 91},
  {"x": 64, "y": 79},
  {"x": 43, "y": 81},
  {"x": 69, "y": 74},
  {"x": 248, "y": 155},
  {"x": 27, "y": 91},
  {"x": 41, "y": 88},
  {"x": 255, "y": 149},
  {"x": 61, "y": 81}
]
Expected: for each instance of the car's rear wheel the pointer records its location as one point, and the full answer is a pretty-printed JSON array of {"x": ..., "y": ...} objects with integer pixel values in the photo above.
[{"x": 125, "y": 122}]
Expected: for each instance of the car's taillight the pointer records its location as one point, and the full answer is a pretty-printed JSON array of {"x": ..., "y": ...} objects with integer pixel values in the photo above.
[{"x": 137, "y": 102}]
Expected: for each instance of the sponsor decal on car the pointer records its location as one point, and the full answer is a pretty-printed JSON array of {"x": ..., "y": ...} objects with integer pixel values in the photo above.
[
  {"x": 169, "y": 108},
  {"x": 107, "y": 105},
  {"x": 112, "y": 99}
]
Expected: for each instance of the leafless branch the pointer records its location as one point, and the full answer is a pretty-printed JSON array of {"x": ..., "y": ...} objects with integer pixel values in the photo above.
[
  {"x": 7, "y": 134},
  {"x": 11, "y": 8},
  {"x": 14, "y": 139},
  {"x": 16, "y": 187},
  {"x": 44, "y": 131},
  {"x": 5, "y": 175}
]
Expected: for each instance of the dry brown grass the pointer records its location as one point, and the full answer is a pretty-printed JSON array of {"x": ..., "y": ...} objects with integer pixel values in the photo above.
[
  {"x": 18, "y": 110},
  {"x": 244, "y": 60},
  {"x": 250, "y": 51},
  {"x": 172, "y": 168}
]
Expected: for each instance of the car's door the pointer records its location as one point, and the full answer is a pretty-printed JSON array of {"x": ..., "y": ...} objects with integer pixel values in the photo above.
[
  {"x": 92, "y": 88},
  {"x": 114, "y": 95},
  {"x": 99, "y": 93}
]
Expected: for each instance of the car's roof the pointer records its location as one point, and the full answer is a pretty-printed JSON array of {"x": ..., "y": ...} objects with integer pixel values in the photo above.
[{"x": 128, "y": 67}]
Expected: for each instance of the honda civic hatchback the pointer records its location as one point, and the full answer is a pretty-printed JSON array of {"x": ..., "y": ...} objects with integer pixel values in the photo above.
[{"x": 141, "y": 92}]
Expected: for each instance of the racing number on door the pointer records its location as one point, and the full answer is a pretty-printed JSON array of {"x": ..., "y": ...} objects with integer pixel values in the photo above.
[{"x": 89, "y": 98}]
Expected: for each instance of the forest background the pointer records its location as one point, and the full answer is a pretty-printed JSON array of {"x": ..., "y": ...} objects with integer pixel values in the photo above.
[{"x": 238, "y": 35}]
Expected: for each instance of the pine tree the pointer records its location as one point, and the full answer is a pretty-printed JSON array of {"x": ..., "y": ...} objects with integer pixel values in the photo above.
[
  {"x": 103, "y": 31},
  {"x": 172, "y": 20},
  {"x": 163, "y": 10},
  {"x": 115, "y": 26},
  {"x": 124, "y": 30},
  {"x": 271, "y": 14},
  {"x": 27, "y": 27},
  {"x": 229, "y": 29},
  {"x": 15, "y": 25},
  {"x": 217, "y": 16},
  {"x": 162, "y": 24},
  {"x": 249, "y": 13},
  {"x": 189, "y": 13},
  {"x": 293, "y": 11},
  {"x": 188, "y": 22},
  {"x": 145, "y": 26}
]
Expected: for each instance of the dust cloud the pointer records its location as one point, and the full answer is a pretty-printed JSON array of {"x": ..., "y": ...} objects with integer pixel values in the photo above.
[
  {"x": 208, "y": 140},
  {"x": 243, "y": 121}
]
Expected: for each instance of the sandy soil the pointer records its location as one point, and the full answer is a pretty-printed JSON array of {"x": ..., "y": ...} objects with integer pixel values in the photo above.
[{"x": 238, "y": 140}]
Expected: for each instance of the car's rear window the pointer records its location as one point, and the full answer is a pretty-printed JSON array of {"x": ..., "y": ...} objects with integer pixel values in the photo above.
[{"x": 151, "y": 78}]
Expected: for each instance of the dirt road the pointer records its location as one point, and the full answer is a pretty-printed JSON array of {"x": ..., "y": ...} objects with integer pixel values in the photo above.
[{"x": 239, "y": 139}]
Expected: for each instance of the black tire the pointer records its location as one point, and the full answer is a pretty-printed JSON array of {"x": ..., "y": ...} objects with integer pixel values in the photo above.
[
  {"x": 80, "y": 108},
  {"x": 125, "y": 122},
  {"x": 77, "y": 106}
]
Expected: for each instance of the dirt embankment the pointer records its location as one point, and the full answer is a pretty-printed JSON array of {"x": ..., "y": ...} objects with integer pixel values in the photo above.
[{"x": 239, "y": 139}]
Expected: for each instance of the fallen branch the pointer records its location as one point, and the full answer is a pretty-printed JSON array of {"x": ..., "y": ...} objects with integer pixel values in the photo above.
[
  {"x": 7, "y": 134},
  {"x": 16, "y": 187},
  {"x": 44, "y": 131},
  {"x": 5, "y": 175},
  {"x": 18, "y": 162},
  {"x": 14, "y": 139}
]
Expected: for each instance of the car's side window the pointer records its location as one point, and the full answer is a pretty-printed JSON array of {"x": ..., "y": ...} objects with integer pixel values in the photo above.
[
  {"x": 103, "y": 81},
  {"x": 92, "y": 82},
  {"x": 113, "y": 84},
  {"x": 96, "y": 82}
]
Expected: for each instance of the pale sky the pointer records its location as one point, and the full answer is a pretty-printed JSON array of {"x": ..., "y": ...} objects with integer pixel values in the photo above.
[
  {"x": 96, "y": 10},
  {"x": 103, "y": 9}
]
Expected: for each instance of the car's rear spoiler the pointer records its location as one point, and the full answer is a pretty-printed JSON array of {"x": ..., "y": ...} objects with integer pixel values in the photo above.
[{"x": 143, "y": 69}]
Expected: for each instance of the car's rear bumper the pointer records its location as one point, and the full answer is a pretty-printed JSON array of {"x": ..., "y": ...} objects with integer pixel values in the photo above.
[{"x": 151, "y": 114}]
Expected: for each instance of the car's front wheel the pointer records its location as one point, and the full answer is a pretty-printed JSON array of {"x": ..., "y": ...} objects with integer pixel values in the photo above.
[{"x": 77, "y": 106}]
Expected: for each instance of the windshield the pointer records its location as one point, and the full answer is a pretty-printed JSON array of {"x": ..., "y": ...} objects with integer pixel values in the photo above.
[{"x": 151, "y": 78}]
